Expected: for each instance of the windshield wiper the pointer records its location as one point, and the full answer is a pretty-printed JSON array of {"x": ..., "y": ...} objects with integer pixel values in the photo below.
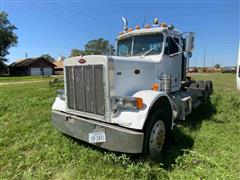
[{"x": 158, "y": 45}]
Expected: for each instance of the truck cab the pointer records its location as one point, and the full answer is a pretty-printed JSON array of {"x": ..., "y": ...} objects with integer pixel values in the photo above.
[{"x": 129, "y": 102}]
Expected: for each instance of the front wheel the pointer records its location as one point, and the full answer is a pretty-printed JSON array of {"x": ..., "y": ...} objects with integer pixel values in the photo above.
[
  {"x": 156, "y": 132},
  {"x": 157, "y": 137}
]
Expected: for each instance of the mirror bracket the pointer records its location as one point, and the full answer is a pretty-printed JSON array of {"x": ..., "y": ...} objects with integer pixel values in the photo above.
[{"x": 175, "y": 54}]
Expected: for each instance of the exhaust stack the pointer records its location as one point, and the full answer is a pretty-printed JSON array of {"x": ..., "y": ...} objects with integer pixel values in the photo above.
[{"x": 125, "y": 24}]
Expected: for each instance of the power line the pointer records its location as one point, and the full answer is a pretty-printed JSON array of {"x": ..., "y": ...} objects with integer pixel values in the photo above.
[
  {"x": 120, "y": 1},
  {"x": 97, "y": 20},
  {"x": 45, "y": 45},
  {"x": 69, "y": 21},
  {"x": 88, "y": 16}
]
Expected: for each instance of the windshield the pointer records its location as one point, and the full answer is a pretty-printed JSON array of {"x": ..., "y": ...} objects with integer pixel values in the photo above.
[{"x": 139, "y": 45}]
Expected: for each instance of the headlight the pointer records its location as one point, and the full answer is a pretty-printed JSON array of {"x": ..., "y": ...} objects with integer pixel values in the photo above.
[{"x": 128, "y": 102}]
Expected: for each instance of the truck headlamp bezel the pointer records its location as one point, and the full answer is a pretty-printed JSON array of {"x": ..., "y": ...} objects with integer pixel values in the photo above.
[{"x": 126, "y": 102}]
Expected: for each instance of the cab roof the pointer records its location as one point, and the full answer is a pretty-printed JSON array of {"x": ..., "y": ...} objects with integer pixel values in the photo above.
[{"x": 147, "y": 31}]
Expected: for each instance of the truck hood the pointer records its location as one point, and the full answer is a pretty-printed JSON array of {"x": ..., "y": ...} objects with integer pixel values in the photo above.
[{"x": 127, "y": 75}]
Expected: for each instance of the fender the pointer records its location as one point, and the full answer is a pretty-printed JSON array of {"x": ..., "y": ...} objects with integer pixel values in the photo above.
[
  {"x": 135, "y": 119},
  {"x": 59, "y": 105}
]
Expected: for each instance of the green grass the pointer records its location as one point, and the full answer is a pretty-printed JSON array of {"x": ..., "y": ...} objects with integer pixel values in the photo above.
[
  {"x": 205, "y": 146},
  {"x": 10, "y": 79}
]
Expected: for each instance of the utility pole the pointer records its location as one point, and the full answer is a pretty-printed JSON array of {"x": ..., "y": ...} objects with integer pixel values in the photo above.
[
  {"x": 26, "y": 55},
  {"x": 213, "y": 61},
  {"x": 204, "y": 58}
]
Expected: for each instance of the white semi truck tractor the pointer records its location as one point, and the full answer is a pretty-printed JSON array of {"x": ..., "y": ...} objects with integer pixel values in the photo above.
[{"x": 130, "y": 102}]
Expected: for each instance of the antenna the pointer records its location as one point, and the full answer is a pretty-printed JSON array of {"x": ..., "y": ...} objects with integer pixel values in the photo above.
[{"x": 144, "y": 20}]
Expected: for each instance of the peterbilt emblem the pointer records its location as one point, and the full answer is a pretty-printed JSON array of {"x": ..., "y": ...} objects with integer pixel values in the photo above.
[{"x": 82, "y": 61}]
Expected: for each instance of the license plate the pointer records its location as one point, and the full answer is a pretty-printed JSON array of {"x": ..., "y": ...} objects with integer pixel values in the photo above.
[{"x": 97, "y": 137}]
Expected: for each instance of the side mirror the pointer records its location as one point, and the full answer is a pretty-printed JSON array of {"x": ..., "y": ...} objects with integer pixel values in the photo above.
[{"x": 189, "y": 42}]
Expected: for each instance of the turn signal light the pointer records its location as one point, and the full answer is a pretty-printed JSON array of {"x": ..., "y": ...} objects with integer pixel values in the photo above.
[
  {"x": 155, "y": 87},
  {"x": 126, "y": 102},
  {"x": 139, "y": 102}
]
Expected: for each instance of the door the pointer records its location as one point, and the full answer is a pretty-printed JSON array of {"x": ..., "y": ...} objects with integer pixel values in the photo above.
[
  {"x": 47, "y": 71},
  {"x": 36, "y": 72},
  {"x": 173, "y": 59}
]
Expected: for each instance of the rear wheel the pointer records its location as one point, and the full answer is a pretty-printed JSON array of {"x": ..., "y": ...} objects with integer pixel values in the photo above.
[
  {"x": 210, "y": 87},
  {"x": 205, "y": 91},
  {"x": 156, "y": 132}
]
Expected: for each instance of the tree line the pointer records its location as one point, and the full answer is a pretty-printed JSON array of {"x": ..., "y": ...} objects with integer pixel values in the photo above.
[{"x": 7, "y": 37}]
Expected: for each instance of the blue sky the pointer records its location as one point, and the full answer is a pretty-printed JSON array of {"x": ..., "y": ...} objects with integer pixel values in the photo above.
[{"x": 56, "y": 27}]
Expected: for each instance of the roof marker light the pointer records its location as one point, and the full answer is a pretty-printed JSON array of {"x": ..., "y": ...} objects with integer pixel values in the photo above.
[
  {"x": 147, "y": 26},
  {"x": 137, "y": 27},
  {"x": 121, "y": 33},
  {"x": 163, "y": 24},
  {"x": 130, "y": 30}
]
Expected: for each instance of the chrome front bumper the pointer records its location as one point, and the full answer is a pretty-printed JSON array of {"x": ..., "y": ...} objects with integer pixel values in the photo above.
[{"x": 118, "y": 139}]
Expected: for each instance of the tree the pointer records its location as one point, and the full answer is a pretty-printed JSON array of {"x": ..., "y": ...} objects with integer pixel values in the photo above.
[
  {"x": 99, "y": 46},
  {"x": 7, "y": 37},
  {"x": 95, "y": 46},
  {"x": 76, "y": 52},
  {"x": 217, "y": 66},
  {"x": 48, "y": 57}
]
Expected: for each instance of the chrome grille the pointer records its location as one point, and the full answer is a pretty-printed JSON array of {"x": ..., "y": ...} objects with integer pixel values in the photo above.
[{"x": 85, "y": 88}]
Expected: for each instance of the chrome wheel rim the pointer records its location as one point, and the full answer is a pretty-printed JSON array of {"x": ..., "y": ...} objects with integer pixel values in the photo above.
[{"x": 157, "y": 138}]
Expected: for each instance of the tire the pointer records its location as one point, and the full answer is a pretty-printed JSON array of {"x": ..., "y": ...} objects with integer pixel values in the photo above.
[
  {"x": 200, "y": 81},
  {"x": 210, "y": 87},
  {"x": 194, "y": 85},
  {"x": 156, "y": 133},
  {"x": 205, "y": 91}
]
